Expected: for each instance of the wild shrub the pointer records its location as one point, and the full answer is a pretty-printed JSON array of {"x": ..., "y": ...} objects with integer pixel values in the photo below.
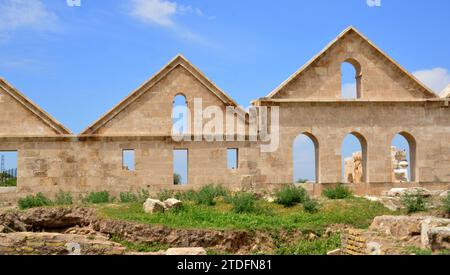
[
  {"x": 446, "y": 203},
  {"x": 290, "y": 195},
  {"x": 339, "y": 192},
  {"x": 311, "y": 205},
  {"x": 165, "y": 194},
  {"x": 127, "y": 197},
  {"x": 414, "y": 202},
  {"x": 243, "y": 202},
  {"x": 34, "y": 201},
  {"x": 189, "y": 195},
  {"x": 207, "y": 194},
  {"x": 97, "y": 197},
  {"x": 63, "y": 198}
]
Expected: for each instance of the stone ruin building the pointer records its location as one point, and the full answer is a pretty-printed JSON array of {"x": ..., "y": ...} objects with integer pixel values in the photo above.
[{"x": 389, "y": 101}]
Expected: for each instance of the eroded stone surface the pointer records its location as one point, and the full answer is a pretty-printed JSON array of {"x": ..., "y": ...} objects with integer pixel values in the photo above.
[
  {"x": 153, "y": 206},
  {"x": 55, "y": 244}
]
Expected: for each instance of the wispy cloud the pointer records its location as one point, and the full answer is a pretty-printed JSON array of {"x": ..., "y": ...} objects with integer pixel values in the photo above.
[
  {"x": 437, "y": 79},
  {"x": 163, "y": 13},
  {"x": 25, "y": 14}
]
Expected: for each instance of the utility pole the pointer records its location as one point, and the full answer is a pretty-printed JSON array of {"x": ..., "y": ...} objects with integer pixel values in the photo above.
[{"x": 2, "y": 167}]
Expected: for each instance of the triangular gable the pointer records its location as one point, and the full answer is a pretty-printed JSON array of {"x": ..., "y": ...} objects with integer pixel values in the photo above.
[
  {"x": 33, "y": 108},
  {"x": 179, "y": 60},
  {"x": 423, "y": 88}
]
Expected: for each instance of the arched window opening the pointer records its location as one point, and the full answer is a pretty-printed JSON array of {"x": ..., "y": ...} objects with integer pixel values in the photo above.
[
  {"x": 350, "y": 79},
  {"x": 180, "y": 116},
  {"x": 306, "y": 156},
  {"x": 403, "y": 152},
  {"x": 354, "y": 159}
]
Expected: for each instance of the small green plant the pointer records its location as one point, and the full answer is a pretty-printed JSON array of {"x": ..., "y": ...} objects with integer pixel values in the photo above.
[
  {"x": 337, "y": 193},
  {"x": 97, "y": 197},
  {"x": 177, "y": 179},
  {"x": 311, "y": 205},
  {"x": 165, "y": 194},
  {"x": 290, "y": 195},
  {"x": 127, "y": 197},
  {"x": 208, "y": 193},
  {"x": 63, "y": 198},
  {"x": 243, "y": 202},
  {"x": 140, "y": 247},
  {"x": 446, "y": 203},
  {"x": 414, "y": 202},
  {"x": 319, "y": 246},
  {"x": 143, "y": 195},
  {"x": 34, "y": 201},
  {"x": 418, "y": 251},
  {"x": 189, "y": 195}
]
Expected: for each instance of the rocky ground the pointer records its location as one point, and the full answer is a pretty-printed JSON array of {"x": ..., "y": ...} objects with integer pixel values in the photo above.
[{"x": 80, "y": 230}]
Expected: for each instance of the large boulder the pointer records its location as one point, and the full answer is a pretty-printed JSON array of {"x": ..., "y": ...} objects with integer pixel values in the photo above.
[
  {"x": 188, "y": 251},
  {"x": 173, "y": 204},
  {"x": 398, "y": 192},
  {"x": 427, "y": 225},
  {"x": 398, "y": 226},
  {"x": 152, "y": 206},
  {"x": 391, "y": 203},
  {"x": 55, "y": 218},
  {"x": 439, "y": 238}
]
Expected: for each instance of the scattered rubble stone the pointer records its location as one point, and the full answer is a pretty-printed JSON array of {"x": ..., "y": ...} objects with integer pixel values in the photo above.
[{"x": 153, "y": 206}]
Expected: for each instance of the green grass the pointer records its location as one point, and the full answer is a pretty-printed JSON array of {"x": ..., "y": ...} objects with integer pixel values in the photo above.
[
  {"x": 354, "y": 211},
  {"x": 318, "y": 246},
  {"x": 140, "y": 247},
  {"x": 97, "y": 197},
  {"x": 9, "y": 183},
  {"x": 63, "y": 198},
  {"x": 34, "y": 201},
  {"x": 418, "y": 251},
  {"x": 339, "y": 192},
  {"x": 446, "y": 203}
]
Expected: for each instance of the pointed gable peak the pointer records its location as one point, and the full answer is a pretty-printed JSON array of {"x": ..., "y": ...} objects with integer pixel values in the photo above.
[
  {"x": 33, "y": 108},
  {"x": 178, "y": 60},
  {"x": 351, "y": 29}
]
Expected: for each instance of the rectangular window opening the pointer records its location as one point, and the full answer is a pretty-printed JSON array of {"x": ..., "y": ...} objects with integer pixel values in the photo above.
[
  {"x": 233, "y": 159},
  {"x": 8, "y": 168},
  {"x": 128, "y": 163},
  {"x": 180, "y": 167}
]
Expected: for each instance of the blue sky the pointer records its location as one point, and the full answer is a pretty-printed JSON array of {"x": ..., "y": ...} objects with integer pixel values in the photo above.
[{"x": 78, "y": 62}]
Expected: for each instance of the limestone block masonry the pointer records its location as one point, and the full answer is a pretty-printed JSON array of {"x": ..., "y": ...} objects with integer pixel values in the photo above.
[{"x": 390, "y": 101}]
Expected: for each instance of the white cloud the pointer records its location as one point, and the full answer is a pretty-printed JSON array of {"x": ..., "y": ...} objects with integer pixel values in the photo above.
[
  {"x": 437, "y": 79},
  {"x": 25, "y": 14},
  {"x": 160, "y": 12},
  {"x": 154, "y": 11}
]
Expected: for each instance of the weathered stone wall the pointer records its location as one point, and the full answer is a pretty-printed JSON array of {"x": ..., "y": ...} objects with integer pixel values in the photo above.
[
  {"x": 82, "y": 166},
  {"x": 374, "y": 123}
]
